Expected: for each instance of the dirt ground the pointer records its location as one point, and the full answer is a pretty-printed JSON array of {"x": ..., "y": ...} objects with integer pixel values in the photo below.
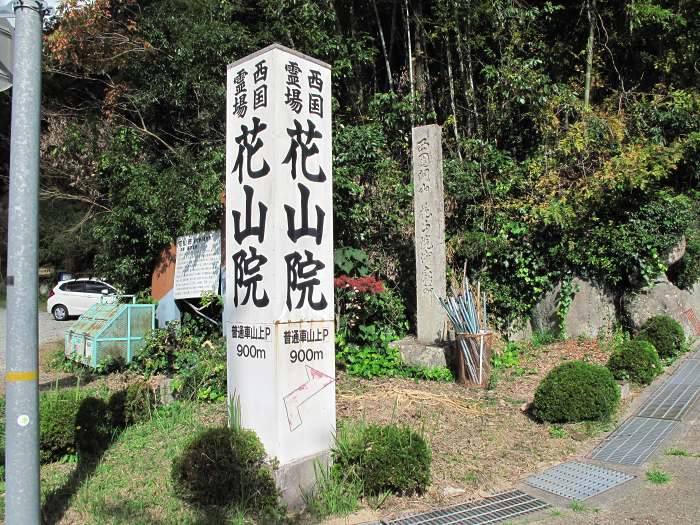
[{"x": 482, "y": 440}]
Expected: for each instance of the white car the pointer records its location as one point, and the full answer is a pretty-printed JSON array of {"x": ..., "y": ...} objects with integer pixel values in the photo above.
[{"x": 74, "y": 297}]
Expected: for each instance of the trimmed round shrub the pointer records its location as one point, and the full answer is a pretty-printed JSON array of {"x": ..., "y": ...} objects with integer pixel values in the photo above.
[
  {"x": 636, "y": 360},
  {"x": 139, "y": 403},
  {"x": 385, "y": 458},
  {"x": 224, "y": 465},
  {"x": 131, "y": 405},
  {"x": 58, "y": 411},
  {"x": 396, "y": 459},
  {"x": 115, "y": 406},
  {"x": 93, "y": 426},
  {"x": 665, "y": 334},
  {"x": 576, "y": 391}
]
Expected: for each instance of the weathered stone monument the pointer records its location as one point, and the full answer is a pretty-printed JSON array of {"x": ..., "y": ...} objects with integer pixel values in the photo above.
[
  {"x": 427, "y": 348},
  {"x": 279, "y": 313},
  {"x": 429, "y": 210}
]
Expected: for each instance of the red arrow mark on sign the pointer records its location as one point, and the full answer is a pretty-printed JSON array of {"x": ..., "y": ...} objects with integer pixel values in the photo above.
[{"x": 300, "y": 395}]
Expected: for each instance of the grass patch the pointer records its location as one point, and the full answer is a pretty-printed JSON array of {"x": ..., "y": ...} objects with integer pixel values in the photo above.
[
  {"x": 658, "y": 477},
  {"x": 558, "y": 432},
  {"x": 471, "y": 477},
  {"x": 681, "y": 453},
  {"x": 333, "y": 495},
  {"x": 131, "y": 483},
  {"x": 577, "y": 506},
  {"x": 593, "y": 428},
  {"x": 542, "y": 338}
]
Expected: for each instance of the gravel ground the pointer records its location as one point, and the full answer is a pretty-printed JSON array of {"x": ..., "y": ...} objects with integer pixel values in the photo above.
[{"x": 49, "y": 331}]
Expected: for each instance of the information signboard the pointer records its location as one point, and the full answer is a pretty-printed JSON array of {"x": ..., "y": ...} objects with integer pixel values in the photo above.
[{"x": 197, "y": 265}]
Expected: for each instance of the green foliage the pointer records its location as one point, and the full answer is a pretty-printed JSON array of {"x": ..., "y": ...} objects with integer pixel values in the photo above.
[
  {"x": 196, "y": 357},
  {"x": 139, "y": 403},
  {"x": 558, "y": 432},
  {"x": 93, "y": 426},
  {"x": 57, "y": 424},
  {"x": 206, "y": 379},
  {"x": 225, "y": 466},
  {"x": 141, "y": 189},
  {"x": 636, "y": 360},
  {"x": 374, "y": 356},
  {"x": 72, "y": 423},
  {"x": 665, "y": 334},
  {"x": 576, "y": 391},
  {"x": 538, "y": 187},
  {"x": 566, "y": 298},
  {"x": 680, "y": 453},
  {"x": 657, "y": 476},
  {"x": 131, "y": 405},
  {"x": 542, "y": 338},
  {"x": 370, "y": 318},
  {"x": 351, "y": 261},
  {"x": 389, "y": 458},
  {"x": 686, "y": 272},
  {"x": 383, "y": 310},
  {"x": 335, "y": 493},
  {"x": 509, "y": 357}
]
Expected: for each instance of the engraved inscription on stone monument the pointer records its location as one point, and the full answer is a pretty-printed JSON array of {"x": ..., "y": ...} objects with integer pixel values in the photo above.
[{"x": 429, "y": 209}]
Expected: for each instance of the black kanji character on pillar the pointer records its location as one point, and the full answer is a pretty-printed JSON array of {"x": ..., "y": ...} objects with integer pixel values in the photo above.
[
  {"x": 315, "y": 81},
  {"x": 260, "y": 73},
  {"x": 248, "y": 145},
  {"x": 246, "y": 274},
  {"x": 301, "y": 277},
  {"x": 295, "y": 233},
  {"x": 241, "y": 234},
  {"x": 297, "y": 135}
]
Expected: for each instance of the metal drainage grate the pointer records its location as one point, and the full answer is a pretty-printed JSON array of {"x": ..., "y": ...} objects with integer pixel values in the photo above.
[
  {"x": 671, "y": 401},
  {"x": 688, "y": 373},
  {"x": 493, "y": 509},
  {"x": 634, "y": 441},
  {"x": 577, "y": 481}
]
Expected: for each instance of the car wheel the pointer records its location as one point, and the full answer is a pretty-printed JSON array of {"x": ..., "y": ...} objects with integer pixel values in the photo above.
[{"x": 60, "y": 312}]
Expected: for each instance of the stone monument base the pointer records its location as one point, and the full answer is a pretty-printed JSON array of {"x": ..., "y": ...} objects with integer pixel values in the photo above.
[
  {"x": 415, "y": 352},
  {"x": 298, "y": 478}
]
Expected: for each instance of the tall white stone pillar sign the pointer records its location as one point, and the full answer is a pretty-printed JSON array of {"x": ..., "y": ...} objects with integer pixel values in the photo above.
[
  {"x": 279, "y": 251},
  {"x": 429, "y": 210}
]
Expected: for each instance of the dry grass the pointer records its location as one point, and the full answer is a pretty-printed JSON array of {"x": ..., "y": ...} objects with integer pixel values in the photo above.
[{"x": 482, "y": 440}]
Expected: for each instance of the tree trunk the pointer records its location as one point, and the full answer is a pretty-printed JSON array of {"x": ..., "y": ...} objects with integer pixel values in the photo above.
[
  {"x": 423, "y": 58},
  {"x": 384, "y": 51},
  {"x": 455, "y": 127},
  {"x": 392, "y": 35},
  {"x": 467, "y": 72},
  {"x": 410, "y": 55},
  {"x": 590, "y": 12}
]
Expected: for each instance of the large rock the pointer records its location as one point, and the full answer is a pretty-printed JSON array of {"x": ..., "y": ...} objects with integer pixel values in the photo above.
[
  {"x": 591, "y": 311},
  {"x": 414, "y": 352},
  {"x": 544, "y": 316},
  {"x": 694, "y": 304},
  {"x": 519, "y": 330},
  {"x": 676, "y": 252},
  {"x": 661, "y": 298},
  {"x": 695, "y": 298}
]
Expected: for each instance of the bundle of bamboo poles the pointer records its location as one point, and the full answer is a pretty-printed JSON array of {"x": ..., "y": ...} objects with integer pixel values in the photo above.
[{"x": 466, "y": 311}]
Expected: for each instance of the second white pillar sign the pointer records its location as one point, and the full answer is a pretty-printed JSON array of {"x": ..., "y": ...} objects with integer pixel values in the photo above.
[{"x": 279, "y": 250}]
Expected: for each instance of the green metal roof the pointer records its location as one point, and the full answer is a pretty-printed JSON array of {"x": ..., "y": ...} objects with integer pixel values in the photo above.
[{"x": 96, "y": 319}]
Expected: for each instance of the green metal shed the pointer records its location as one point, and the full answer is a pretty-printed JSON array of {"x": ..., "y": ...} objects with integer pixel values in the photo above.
[{"x": 115, "y": 330}]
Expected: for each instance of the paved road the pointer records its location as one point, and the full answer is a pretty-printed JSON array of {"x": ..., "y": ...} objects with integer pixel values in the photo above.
[{"x": 49, "y": 330}]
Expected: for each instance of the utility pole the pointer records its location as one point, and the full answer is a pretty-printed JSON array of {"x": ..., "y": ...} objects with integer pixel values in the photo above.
[{"x": 22, "y": 495}]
